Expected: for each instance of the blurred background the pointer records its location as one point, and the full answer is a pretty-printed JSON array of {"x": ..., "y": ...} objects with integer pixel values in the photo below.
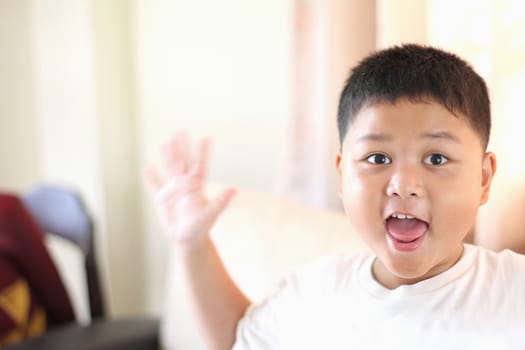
[{"x": 89, "y": 89}]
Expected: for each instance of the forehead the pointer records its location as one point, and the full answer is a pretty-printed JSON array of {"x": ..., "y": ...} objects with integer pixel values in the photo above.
[{"x": 407, "y": 119}]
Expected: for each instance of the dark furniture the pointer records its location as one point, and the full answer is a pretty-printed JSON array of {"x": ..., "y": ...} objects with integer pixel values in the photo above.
[
  {"x": 132, "y": 334},
  {"x": 61, "y": 211}
]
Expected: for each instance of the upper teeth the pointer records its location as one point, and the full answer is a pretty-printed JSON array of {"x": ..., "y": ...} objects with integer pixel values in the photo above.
[{"x": 402, "y": 216}]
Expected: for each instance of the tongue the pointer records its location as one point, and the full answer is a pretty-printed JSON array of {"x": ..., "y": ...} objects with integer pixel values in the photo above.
[{"x": 406, "y": 230}]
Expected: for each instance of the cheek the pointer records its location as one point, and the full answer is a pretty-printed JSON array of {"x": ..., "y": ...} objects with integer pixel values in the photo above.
[
  {"x": 360, "y": 196},
  {"x": 455, "y": 222},
  {"x": 458, "y": 204}
]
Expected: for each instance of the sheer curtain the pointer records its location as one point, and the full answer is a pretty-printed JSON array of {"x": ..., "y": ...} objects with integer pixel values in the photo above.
[{"x": 329, "y": 38}]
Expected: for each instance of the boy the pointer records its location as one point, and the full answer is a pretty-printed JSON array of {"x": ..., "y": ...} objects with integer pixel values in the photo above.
[{"x": 414, "y": 124}]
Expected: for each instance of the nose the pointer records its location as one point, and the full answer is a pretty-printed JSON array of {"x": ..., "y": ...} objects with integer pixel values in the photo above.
[{"x": 405, "y": 182}]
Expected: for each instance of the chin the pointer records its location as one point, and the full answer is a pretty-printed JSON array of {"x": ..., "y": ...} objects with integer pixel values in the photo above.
[
  {"x": 407, "y": 271},
  {"x": 411, "y": 277}
]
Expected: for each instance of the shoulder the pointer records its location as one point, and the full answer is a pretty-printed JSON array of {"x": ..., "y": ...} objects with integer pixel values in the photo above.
[
  {"x": 498, "y": 284},
  {"x": 508, "y": 265},
  {"x": 501, "y": 259}
]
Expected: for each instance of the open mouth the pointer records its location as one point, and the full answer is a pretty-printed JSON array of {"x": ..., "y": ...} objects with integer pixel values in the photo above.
[{"x": 405, "y": 232}]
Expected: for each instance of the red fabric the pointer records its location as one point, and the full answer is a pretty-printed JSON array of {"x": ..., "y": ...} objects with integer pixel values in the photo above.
[
  {"x": 22, "y": 245},
  {"x": 28, "y": 318},
  {"x": 8, "y": 275}
]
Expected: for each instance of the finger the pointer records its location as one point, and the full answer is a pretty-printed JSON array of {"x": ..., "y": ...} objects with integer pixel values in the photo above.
[
  {"x": 217, "y": 206},
  {"x": 201, "y": 165},
  {"x": 152, "y": 177},
  {"x": 174, "y": 153},
  {"x": 179, "y": 146}
]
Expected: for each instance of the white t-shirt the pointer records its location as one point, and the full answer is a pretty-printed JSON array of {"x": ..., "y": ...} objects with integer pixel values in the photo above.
[{"x": 335, "y": 303}]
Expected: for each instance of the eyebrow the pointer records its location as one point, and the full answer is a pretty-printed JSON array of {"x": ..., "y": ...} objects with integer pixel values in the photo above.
[
  {"x": 374, "y": 137},
  {"x": 444, "y": 135}
]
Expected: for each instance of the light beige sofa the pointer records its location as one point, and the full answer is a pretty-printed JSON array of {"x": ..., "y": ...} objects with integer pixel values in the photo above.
[{"x": 260, "y": 238}]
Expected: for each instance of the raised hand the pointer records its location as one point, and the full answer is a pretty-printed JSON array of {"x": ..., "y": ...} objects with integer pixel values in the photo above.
[{"x": 185, "y": 213}]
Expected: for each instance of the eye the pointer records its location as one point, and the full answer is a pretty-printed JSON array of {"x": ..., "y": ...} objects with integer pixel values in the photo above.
[
  {"x": 378, "y": 158},
  {"x": 435, "y": 159}
]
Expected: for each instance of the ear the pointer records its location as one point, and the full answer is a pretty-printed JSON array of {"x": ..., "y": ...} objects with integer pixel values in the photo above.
[
  {"x": 339, "y": 175},
  {"x": 487, "y": 173}
]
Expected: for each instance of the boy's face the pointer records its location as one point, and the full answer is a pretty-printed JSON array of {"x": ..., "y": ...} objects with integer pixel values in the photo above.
[{"x": 412, "y": 176}]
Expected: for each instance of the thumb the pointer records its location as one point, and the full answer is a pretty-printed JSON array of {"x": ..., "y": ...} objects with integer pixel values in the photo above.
[{"x": 217, "y": 206}]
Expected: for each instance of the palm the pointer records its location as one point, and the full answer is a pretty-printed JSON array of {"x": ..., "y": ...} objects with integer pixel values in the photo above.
[
  {"x": 187, "y": 217},
  {"x": 185, "y": 213}
]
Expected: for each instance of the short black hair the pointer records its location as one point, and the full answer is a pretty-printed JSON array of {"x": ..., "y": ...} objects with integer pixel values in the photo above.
[{"x": 419, "y": 73}]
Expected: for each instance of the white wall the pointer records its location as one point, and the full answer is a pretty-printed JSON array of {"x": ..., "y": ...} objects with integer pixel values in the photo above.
[
  {"x": 118, "y": 150},
  {"x": 66, "y": 106},
  {"x": 18, "y": 130},
  {"x": 219, "y": 69}
]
